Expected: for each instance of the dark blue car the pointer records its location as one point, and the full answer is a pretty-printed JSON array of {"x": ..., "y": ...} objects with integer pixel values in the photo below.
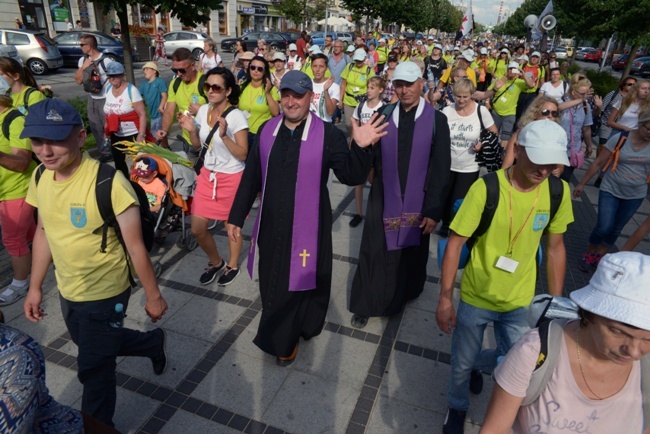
[{"x": 68, "y": 44}]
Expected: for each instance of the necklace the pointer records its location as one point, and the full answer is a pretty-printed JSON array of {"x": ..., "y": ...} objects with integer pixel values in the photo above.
[{"x": 580, "y": 366}]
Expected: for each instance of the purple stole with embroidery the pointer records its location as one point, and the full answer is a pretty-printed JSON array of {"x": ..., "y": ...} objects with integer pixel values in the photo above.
[
  {"x": 402, "y": 218},
  {"x": 304, "y": 243}
]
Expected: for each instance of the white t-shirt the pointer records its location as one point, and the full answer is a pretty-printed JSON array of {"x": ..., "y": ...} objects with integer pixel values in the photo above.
[
  {"x": 317, "y": 106},
  {"x": 549, "y": 90},
  {"x": 101, "y": 66},
  {"x": 121, "y": 105},
  {"x": 366, "y": 112},
  {"x": 218, "y": 157},
  {"x": 294, "y": 63},
  {"x": 207, "y": 63},
  {"x": 464, "y": 132},
  {"x": 630, "y": 118},
  {"x": 562, "y": 404}
]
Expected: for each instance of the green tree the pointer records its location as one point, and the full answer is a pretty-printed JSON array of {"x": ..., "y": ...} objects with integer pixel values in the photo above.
[
  {"x": 188, "y": 14},
  {"x": 299, "y": 11}
]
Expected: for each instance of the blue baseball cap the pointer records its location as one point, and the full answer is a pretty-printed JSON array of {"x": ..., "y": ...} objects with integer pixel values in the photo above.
[
  {"x": 296, "y": 81},
  {"x": 50, "y": 119},
  {"x": 115, "y": 68}
]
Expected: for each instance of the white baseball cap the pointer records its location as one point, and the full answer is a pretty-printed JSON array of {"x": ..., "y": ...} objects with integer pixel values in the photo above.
[
  {"x": 381, "y": 40},
  {"x": 293, "y": 47},
  {"x": 536, "y": 53},
  {"x": 514, "y": 65},
  {"x": 545, "y": 142},
  {"x": 484, "y": 50},
  {"x": 524, "y": 58},
  {"x": 359, "y": 54},
  {"x": 279, "y": 56},
  {"x": 314, "y": 49},
  {"x": 619, "y": 289},
  {"x": 438, "y": 46},
  {"x": 467, "y": 55},
  {"x": 430, "y": 38},
  {"x": 505, "y": 50},
  {"x": 350, "y": 49},
  {"x": 407, "y": 71},
  {"x": 419, "y": 42}
]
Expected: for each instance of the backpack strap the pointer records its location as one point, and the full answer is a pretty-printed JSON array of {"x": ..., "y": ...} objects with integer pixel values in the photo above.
[
  {"x": 103, "y": 189},
  {"x": 645, "y": 390},
  {"x": 550, "y": 336},
  {"x": 491, "y": 181},
  {"x": 359, "y": 109},
  {"x": 613, "y": 158},
  {"x": 556, "y": 190},
  {"x": 28, "y": 92},
  {"x": 8, "y": 119},
  {"x": 39, "y": 172},
  {"x": 176, "y": 84}
]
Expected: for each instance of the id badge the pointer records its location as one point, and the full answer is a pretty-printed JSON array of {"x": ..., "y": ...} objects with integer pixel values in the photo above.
[
  {"x": 504, "y": 99},
  {"x": 507, "y": 264},
  {"x": 355, "y": 89},
  {"x": 246, "y": 114}
]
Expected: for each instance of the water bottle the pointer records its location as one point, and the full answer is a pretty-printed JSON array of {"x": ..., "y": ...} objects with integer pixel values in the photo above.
[
  {"x": 117, "y": 318},
  {"x": 107, "y": 143}
]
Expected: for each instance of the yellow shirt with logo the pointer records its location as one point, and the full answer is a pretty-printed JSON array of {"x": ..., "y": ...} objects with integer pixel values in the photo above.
[
  {"x": 253, "y": 101},
  {"x": 499, "y": 68},
  {"x": 19, "y": 99},
  {"x": 482, "y": 284},
  {"x": 507, "y": 96},
  {"x": 356, "y": 80},
  {"x": 13, "y": 185},
  {"x": 186, "y": 95},
  {"x": 70, "y": 217}
]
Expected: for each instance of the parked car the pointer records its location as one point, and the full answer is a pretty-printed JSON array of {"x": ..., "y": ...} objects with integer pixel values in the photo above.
[
  {"x": 318, "y": 38},
  {"x": 70, "y": 48},
  {"x": 589, "y": 55},
  {"x": 193, "y": 41},
  {"x": 292, "y": 36},
  {"x": 10, "y": 51},
  {"x": 619, "y": 63},
  {"x": 275, "y": 40},
  {"x": 560, "y": 53},
  {"x": 38, "y": 51},
  {"x": 641, "y": 66},
  {"x": 345, "y": 37}
]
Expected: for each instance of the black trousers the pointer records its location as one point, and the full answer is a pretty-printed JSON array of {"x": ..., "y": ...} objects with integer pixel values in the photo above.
[
  {"x": 99, "y": 345},
  {"x": 118, "y": 156},
  {"x": 459, "y": 184}
]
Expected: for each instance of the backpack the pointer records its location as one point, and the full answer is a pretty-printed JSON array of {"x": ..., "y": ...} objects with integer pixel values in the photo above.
[
  {"x": 9, "y": 118},
  {"x": 91, "y": 78},
  {"x": 491, "y": 180},
  {"x": 555, "y": 313},
  {"x": 177, "y": 83},
  {"x": 103, "y": 188}
]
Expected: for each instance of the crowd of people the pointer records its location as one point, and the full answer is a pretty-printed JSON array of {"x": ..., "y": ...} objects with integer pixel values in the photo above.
[{"x": 422, "y": 118}]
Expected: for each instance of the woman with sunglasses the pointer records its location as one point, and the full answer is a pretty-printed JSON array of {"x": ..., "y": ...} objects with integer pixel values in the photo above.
[
  {"x": 259, "y": 99},
  {"x": 227, "y": 130},
  {"x": 622, "y": 191},
  {"x": 126, "y": 115},
  {"x": 614, "y": 97},
  {"x": 624, "y": 115}
]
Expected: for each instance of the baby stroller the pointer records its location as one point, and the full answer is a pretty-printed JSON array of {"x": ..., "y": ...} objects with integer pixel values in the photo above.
[{"x": 175, "y": 202}]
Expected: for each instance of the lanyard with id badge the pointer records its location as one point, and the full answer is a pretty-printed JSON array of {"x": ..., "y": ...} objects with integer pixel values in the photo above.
[{"x": 505, "y": 262}]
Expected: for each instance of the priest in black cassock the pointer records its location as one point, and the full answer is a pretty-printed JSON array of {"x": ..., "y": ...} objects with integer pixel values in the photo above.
[
  {"x": 411, "y": 173},
  {"x": 289, "y": 164}
]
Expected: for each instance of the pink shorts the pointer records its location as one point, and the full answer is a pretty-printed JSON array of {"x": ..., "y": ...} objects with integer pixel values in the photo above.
[
  {"x": 18, "y": 226},
  {"x": 215, "y": 193}
]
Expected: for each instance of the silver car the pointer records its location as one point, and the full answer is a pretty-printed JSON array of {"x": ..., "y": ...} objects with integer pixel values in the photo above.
[
  {"x": 38, "y": 51},
  {"x": 10, "y": 51},
  {"x": 193, "y": 41}
]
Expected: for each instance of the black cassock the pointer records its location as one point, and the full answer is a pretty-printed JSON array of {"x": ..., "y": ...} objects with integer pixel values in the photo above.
[
  {"x": 286, "y": 315},
  {"x": 386, "y": 280}
]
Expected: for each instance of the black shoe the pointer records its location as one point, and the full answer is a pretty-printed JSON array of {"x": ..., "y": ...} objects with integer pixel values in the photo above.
[
  {"x": 211, "y": 273},
  {"x": 454, "y": 422},
  {"x": 159, "y": 363},
  {"x": 105, "y": 158},
  {"x": 476, "y": 382},
  {"x": 355, "y": 221},
  {"x": 359, "y": 321},
  {"x": 228, "y": 276}
]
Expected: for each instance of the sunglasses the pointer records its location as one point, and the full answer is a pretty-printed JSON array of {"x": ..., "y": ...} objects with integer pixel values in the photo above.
[
  {"x": 553, "y": 113},
  {"x": 179, "y": 70},
  {"x": 629, "y": 84},
  {"x": 213, "y": 87},
  {"x": 82, "y": 45},
  {"x": 115, "y": 76},
  {"x": 257, "y": 68}
]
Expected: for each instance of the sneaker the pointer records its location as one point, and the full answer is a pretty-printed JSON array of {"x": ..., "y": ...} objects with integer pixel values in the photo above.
[
  {"x": 211, "y": 273},
  {"x": 359, "y": 321},
  {"x": 228, "y": 276},
  {"x": 12, "y": 294},
  {"x": 588, "y": 261},
  {"x": 454, "y": 422},
  {"x": 355, "y": 221},
  {"x": 476, "y": 382},
  {"x": 159, "y": 363}
]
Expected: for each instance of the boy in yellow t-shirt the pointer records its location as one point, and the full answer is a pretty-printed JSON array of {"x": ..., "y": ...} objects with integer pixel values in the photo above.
[{"x": 498, "y": 283}]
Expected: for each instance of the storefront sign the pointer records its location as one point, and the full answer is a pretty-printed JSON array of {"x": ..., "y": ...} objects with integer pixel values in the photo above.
[
  {"x": 248, "y": 11},
  {"x": 260, "y": 9}
]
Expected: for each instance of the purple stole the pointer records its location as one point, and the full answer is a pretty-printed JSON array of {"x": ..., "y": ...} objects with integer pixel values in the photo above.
[
  {"x": 402, "y": 218},
  {"x": 304, "y": 243}
]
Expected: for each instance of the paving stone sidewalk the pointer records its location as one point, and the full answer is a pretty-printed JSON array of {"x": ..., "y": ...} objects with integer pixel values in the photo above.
[{"x": 389, "y": 378}]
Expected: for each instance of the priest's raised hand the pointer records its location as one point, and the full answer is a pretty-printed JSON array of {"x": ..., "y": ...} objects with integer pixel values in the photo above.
[{"x": 370, "y": 132}]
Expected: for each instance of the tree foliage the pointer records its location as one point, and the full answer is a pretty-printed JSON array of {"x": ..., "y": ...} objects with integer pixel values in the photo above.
[
  {"x": 189, "y": 14},
  {"x": 300, "y": 10}
]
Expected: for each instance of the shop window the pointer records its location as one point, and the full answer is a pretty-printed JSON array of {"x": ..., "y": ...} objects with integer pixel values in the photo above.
[{"x": 223, "y": 21}]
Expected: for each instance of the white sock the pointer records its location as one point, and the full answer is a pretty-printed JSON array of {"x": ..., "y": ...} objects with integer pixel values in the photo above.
[{"x": 20, "y": 283}]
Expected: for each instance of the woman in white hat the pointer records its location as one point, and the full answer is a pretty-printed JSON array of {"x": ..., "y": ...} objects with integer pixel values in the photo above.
[
  {"x": 294, "y": 62},
  {"x": 279, "y": 63},
  {"x": 596, "y": 384}
]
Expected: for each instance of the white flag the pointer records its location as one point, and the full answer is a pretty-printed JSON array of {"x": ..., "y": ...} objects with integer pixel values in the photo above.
[{"x": 468, "y": 22}]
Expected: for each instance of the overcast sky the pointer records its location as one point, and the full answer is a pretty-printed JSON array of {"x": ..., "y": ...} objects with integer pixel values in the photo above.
[{"x": 487, "y": 11}]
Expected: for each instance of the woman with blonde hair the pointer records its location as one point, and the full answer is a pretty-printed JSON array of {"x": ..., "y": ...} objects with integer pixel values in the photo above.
[
  {"x": 625, "y": 113},
  {"x": 622, "y": 190},
  {"x": 210, "y": 58}
]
